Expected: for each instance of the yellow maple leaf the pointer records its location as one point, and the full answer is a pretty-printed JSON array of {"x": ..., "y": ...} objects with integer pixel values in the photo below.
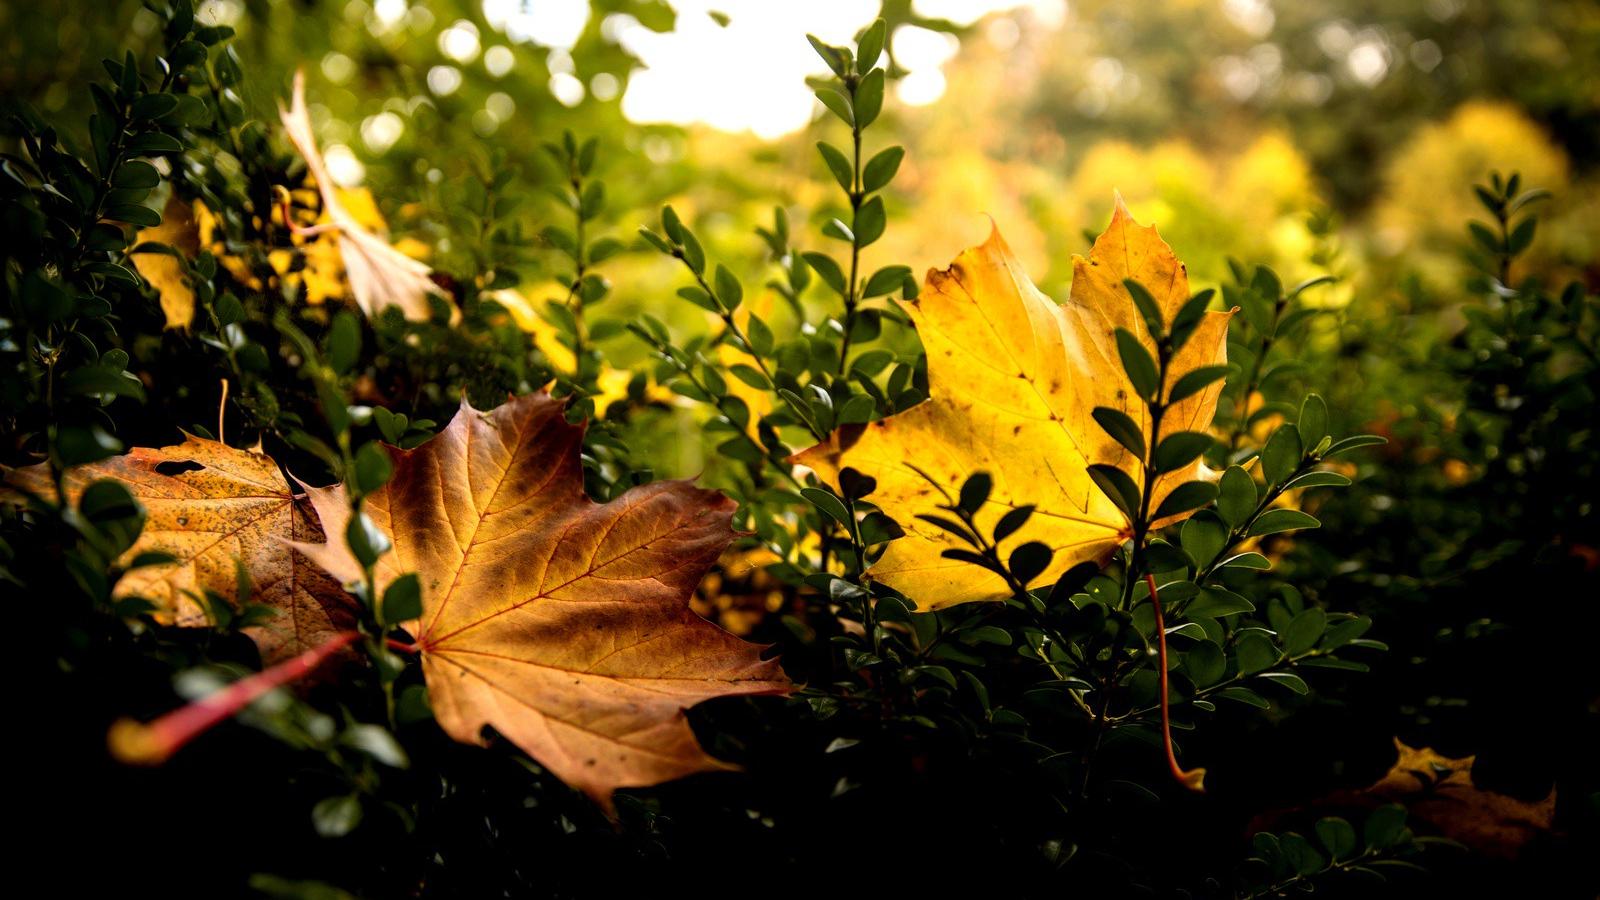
[{"x": 1014, "y": 379}]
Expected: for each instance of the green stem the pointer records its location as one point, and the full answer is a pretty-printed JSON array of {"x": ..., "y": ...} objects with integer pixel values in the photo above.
[
  {"x": 1242, "y": 415},
  {"x": 857, "y": 194},
  {"x": 737, "y": 332},
  {"x": 574, "y": 299}
]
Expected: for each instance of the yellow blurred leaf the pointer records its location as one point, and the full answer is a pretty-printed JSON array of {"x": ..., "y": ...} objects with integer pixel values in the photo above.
[
  {"x": 164, "y": 271},
  {"x": 1014, "y": 378},
  {"x": 379, "y": 275}
]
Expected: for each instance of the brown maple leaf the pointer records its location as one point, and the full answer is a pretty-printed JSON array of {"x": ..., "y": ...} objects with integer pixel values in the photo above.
[
  {"x": 562, "y": 623},
  {"x": 1440, "y": 790},
  {"x": 209, "y": 505}
]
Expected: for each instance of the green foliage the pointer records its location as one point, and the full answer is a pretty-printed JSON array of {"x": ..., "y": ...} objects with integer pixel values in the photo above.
[{"x": 1028, "y": 733}]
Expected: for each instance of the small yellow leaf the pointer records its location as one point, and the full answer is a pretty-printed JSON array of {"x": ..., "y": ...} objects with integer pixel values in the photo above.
[
  {"x": 379, "y": 275},
  {"x": 165, "y": 272}
]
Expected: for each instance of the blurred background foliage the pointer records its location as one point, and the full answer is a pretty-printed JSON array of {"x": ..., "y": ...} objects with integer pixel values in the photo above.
[
  {"x": 1245, "y": 128},
  {"x": 1320, "y": 137}
]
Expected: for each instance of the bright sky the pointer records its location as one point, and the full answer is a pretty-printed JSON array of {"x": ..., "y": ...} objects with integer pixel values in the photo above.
[{"x": 748, "y": 75}]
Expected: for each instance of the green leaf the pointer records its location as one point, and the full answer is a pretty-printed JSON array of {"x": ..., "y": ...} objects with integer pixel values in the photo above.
[
  {"x": 1521, "y": 236},
  {"x": 1184, "y": 497},
  {"x": 136, "y": 174},
  {"x": 79, "y": 445},
  {"x": 1122, "y": 428},
  {"x": 1243, "y": 695},
  {"x": 1250, "y": 560},
  {"x": 1030, "y": 560},
  {"x": 693, "y": 253},
  {"x": 1190, "y": 314},
  {"x": 1136, "y": 361},
  {"x": 1353, "y": 442},
  {"x": 1179, "y": 449},
  {"x": 839, "y": 231},
  {"x": 761, "y": 340},
  {"x": 856, "y": 411},
  {"x": 1275, "y": 520},
  {"x": 1216, "y": 603},
  {"x": 365, "y": 540},
  {"x": 98, "y": 379},
  {"x": 1195, "y": 381},
  {"x": 336, "y": 816},
  {"x": 1147, "y": 306},
  {"x": 872, "y": 362},
  {"x": 833, "y": 56},
  {"x": 1313, "y": 423},
  {"x": 605, "y": 248},
  {"x": 838, "y": 164},
  {"x": 154, "y": 143},
  {"x": 1289, "y": 680},
  {"x": 838, "y": 104},
  {"x": 1119, "y": 486},
  {"x": 750, "y": 376},
  {"x": 870, "y": 47},
  {"x": 152, "y": 106},
  {"x": 1344, "y": 631},
  {"x": 975, "y": 491},
  {"x": 828, "y": 503},
  {"x": 1337, "y": 837},
  {"x": 655, "y": 240},
  {"x": 1267, "y": 283},
  {"x": 373, "y": 468},
  {"x": 824, "y": 266},
  {"x": 1304, "y": 631},
  {"x": 700, "y": 298},
  {"x": 730, "y": 293},
  {"x": 1485, "y": 237},
  {"x": 1256, "y": 653},
  {"x": 1282, "y": 454},
  {"x": 1385, "y": 826},
  {"x": 344, "y": 342},
  {"x": 1317, "y": 479},
  {"x": 885, "y": 280},
  {"x": 880, "y": 170},
  {"x": 1011, "y": 521},
  {"x": 186, "y": 54},
  {"x": 1237, "y": 498},
  {"x": 402, "y": 600},
  {"x": 1310, "y": 283},
  {"x": 1203, "y": 537},
  {"x": 869, "y": 98},
  {"x": 869, "y": 222},
  {"x": 1205, "y": 663},
  {"x": 133, "y": 214}
]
